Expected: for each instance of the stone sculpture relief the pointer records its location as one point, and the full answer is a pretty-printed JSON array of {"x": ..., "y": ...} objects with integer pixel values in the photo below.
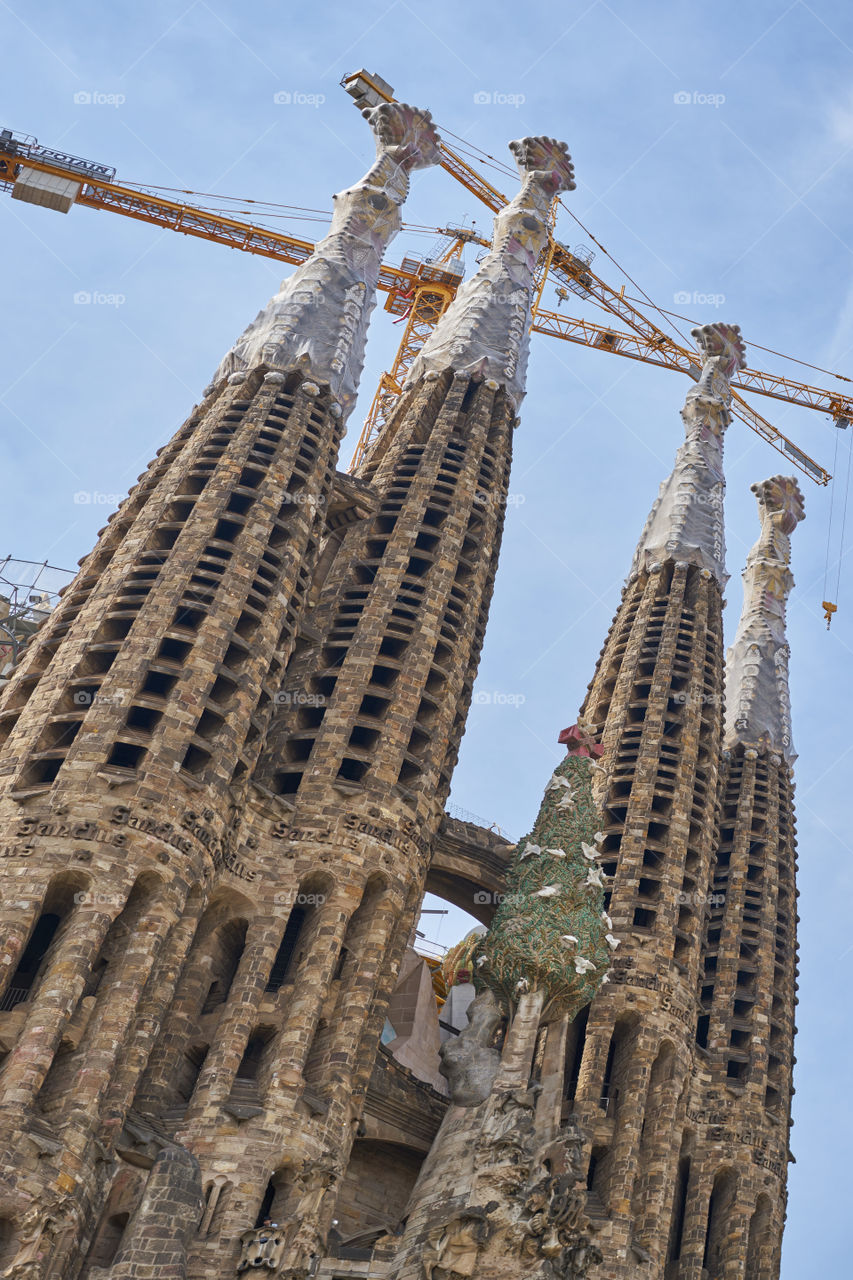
[
  {"x": 320, "y": 315},
  {"x": 452, "y": 1249},
  {"x": 261, "y": 1249},
  {"x": 537, "y": 1229},
  {"x": 468, "y": 1062}
]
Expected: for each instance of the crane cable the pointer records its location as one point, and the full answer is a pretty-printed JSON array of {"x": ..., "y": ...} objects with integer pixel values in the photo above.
[{"x": 829, "y": 606}]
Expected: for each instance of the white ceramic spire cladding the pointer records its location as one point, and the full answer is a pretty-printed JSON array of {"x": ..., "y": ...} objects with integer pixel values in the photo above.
[
  {"x": 485, "y": 332},
  {"x": 686, "y": 522},
  {"x": 758, "y": 705},
  {"x": 320, "y": 315}
]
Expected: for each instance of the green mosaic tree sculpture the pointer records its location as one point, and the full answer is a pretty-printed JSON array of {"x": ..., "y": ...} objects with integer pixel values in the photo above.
[{"x": 551, "y": 932}]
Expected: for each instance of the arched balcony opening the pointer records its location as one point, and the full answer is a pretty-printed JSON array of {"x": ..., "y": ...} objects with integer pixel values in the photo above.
[
  {"x": 720, "y": 1206},
  {"x": 225, "y": 949},
  {"x": 575, "y": 1044},
  {"x": 62, "y": 897},
  {"x": 104, "y": 974},
  {"x": 356, "y": 940},
  {"x": 679, "y": 1213},
  {"x": 759, "y": 1247},
  {"x": 278, "y": 1200},
  {"x": 299, "y": 932}
]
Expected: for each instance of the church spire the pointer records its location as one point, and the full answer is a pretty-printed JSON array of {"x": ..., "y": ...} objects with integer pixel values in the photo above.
[
  {"x": 686, "y": 521},
  {"x": 757, "y": 699},
  {"x": 320, "y": 315},
  {"x": 485, "y": 332}
]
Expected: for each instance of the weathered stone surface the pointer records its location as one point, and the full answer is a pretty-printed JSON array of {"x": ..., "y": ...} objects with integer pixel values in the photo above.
[{"x": 155, "y": 1243}]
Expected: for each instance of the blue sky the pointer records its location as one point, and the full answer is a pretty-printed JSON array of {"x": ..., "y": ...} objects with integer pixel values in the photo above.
[{"x": 742, "y": 191}]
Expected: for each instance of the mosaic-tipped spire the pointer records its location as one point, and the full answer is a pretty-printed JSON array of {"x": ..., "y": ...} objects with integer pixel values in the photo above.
[
  {"x": 320, "y": 315},
  {"x": 758, "y": 705},
  {"x": 686, "y": 521},
  {"x": 485, "y": 332}
]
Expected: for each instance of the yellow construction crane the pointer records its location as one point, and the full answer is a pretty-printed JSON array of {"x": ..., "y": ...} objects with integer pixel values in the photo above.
[{"x": 419, "y": 291}]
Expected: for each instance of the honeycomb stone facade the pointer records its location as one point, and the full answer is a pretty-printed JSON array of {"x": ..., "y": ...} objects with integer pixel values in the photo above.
[{"x": 225, "y": 759}]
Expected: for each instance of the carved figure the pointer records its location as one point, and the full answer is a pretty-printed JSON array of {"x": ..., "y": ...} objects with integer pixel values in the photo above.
[
  {"x": 555, "y": 1205},
  {"x": 468, "y": 1062},
  {"x": 451, "y": 1250},
  {"x": 580, "y": 1258},
  {"x": 507, "y": 1131}
]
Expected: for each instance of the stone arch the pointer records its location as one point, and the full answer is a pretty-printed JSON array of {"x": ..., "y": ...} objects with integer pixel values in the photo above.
[
  {"x": 619, "y": 1052},
  {"x": 720, "y": 1204},
  {"x": 358, "y": 926},
  {"x": 575, "y": 1045},
  {"x": 678, "y": 1215},
  {"x": 661, "y": 1073},
  {"x": 62, "y": 896},
  {"x": 254, "y": 1062},
  {"x": 207, "y": 972},
  {"x": 279, "y": 1198},
  {"x": 468, "y": 867},
  {"x": 219, "y": 942},
  {"x": 103, "y": 972},
  {"x": 759, "y": 1249},
  {"x": 356, "y": 939},
  {"x": 305, "y": 910}
]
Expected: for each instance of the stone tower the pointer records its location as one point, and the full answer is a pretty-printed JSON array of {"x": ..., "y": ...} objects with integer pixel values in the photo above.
[
  {"x": 130, "y": 732},
  {"x": 350, "y": 787},
  {"x": 680, "y": 1069},
  {"x": 734, "y": 1148},
  {"x": 655, "y": 704}
]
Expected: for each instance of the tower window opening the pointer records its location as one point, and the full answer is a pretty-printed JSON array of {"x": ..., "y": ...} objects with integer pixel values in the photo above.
[{"x": 31, "y": 961}]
